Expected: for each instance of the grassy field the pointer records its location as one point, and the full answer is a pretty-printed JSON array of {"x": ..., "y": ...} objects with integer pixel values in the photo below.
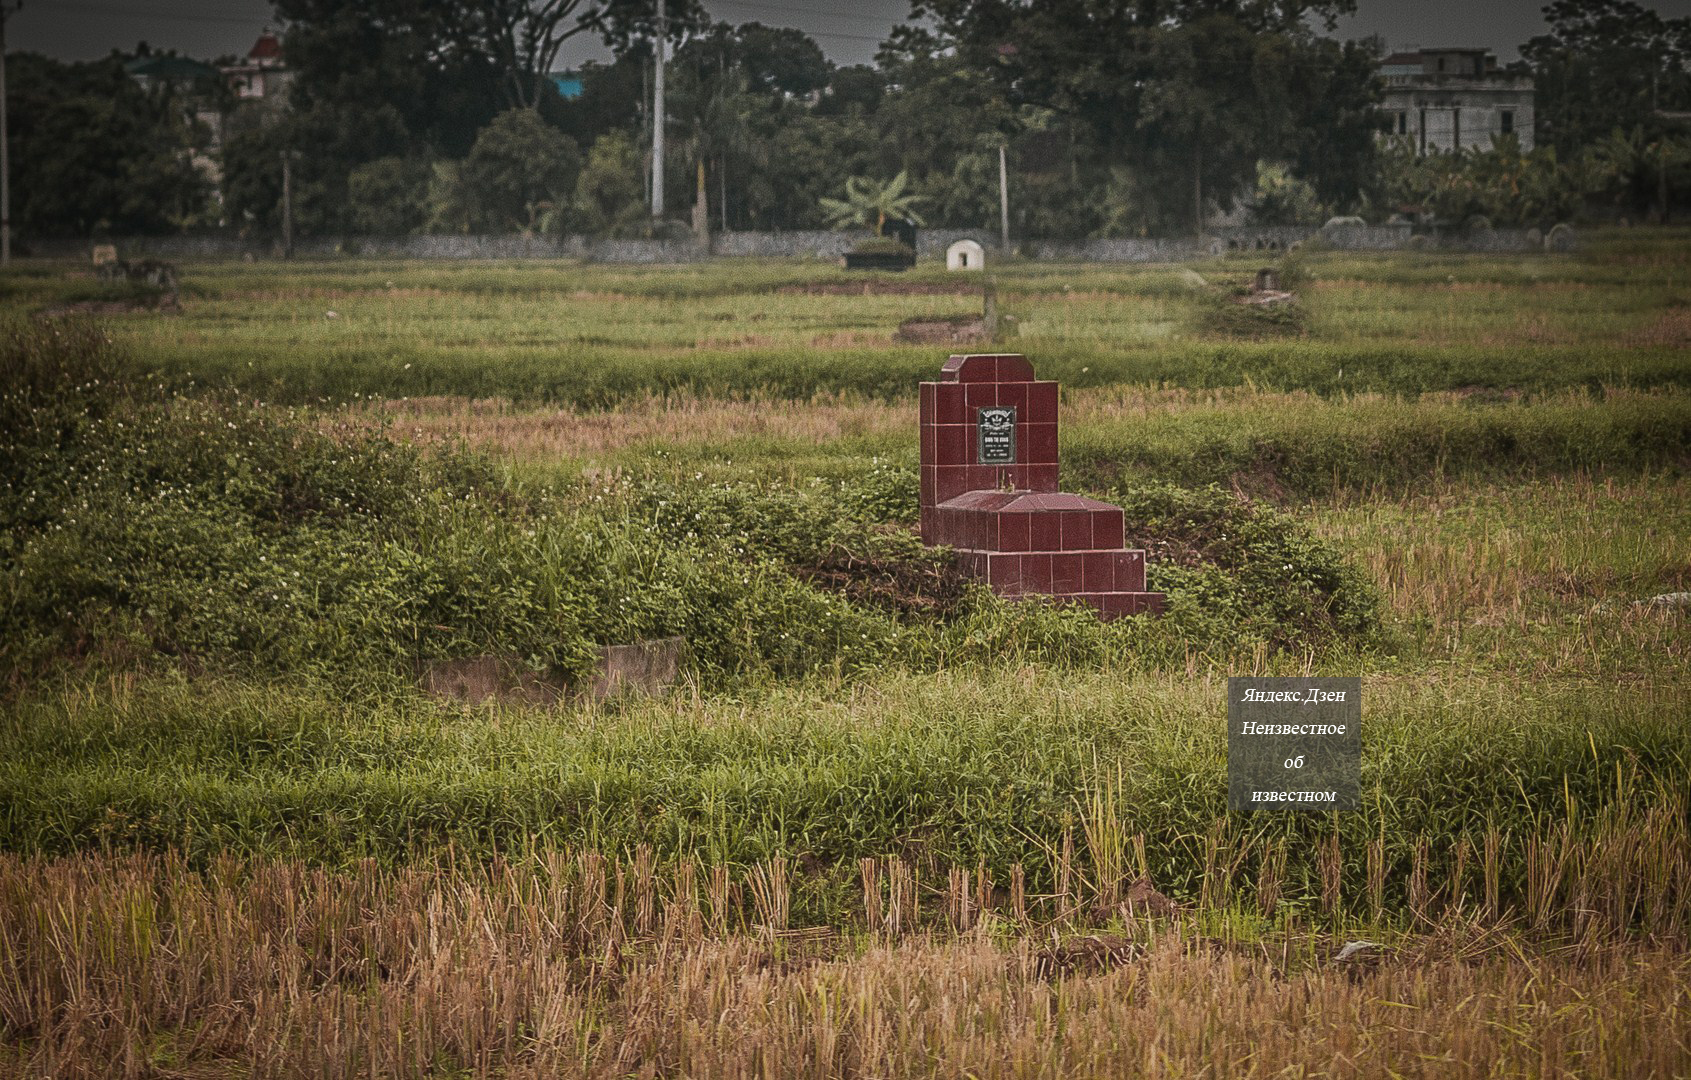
[{"x": 887, "y": 824}]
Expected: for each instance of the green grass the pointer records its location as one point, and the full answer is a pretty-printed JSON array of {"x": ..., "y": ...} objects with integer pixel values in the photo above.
[
  {"x": 594, "y": 335},
  {"x": 1494, "y": 447},
  {"x": 948, "y": 770}
]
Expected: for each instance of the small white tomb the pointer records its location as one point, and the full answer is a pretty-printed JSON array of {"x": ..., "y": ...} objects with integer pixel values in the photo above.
[{"x": 965, "y": 255}]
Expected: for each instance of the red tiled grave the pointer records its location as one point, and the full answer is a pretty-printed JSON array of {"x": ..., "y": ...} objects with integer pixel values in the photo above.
[{"x": 996, "y": 502}]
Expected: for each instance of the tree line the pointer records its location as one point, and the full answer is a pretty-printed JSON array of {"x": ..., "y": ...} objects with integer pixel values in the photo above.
[{"x": 1127, "y": 117}]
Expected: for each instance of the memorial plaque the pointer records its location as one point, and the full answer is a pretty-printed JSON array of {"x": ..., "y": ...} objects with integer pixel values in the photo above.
[
  {"x": 995, "y": 427},
  {"x": 1294, "y": 742}
]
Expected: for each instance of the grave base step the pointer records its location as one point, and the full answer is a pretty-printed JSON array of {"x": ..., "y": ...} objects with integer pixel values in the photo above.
[{"x": 1056, "y": 573}]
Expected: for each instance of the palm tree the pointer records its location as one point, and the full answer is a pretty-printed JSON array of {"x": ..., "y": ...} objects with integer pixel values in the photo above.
[{"x": 868, "y": 203}]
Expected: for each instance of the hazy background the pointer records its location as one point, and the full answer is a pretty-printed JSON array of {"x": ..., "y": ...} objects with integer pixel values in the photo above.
[{"x": 87, "y": 29}]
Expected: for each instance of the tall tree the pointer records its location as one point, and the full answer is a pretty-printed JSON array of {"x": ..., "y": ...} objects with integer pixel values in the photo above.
[
  {"x": 522, "y": 39},
  {"x": 1182, "y": 96},
  {"x": 1606, "y": 65},
  {"x": 92, "y": 152},
  {"x": 520, "y": 173}
]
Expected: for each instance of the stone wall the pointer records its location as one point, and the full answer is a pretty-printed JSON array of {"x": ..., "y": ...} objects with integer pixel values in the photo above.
[{"x": 930, "y": 243}]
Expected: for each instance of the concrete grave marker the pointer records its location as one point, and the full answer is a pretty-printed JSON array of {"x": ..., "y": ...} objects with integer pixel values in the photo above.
[{"x": 965, "y": 255}]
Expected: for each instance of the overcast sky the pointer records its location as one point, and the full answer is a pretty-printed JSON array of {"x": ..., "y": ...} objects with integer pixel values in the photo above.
[{"x": 849, "y": 33}]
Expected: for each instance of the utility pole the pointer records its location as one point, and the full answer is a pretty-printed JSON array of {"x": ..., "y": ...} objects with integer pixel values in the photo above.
[
  {"x": 287, "y": 204},
  {"x": 6, "y": 11},
  {"x": 657, "y": 117},
  {"x": 1003, "y": 202},
  {"x": 1661, "y": 143},
  {"x": 1198, "y": 189}
]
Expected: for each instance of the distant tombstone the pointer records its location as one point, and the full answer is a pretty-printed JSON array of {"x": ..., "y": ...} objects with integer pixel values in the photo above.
[
  {"x": 902, "y": 230},
  {"x": 104, "y": 253},
  {"x": 1267, "y": 280},
  {"x": 1559, "y": 238},
  {"x": 965, "y": 255}
]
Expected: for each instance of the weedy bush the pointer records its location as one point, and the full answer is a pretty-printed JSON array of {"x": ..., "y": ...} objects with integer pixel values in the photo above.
[
  {"x": 143, "y": 527},
  {"x": 1243, "y": 568},
  {"x": 1222, "y": 314}
]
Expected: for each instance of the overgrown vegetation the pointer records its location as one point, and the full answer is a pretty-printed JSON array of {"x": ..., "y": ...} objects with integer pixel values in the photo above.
[
  {"x": 212, "y": 607},
  {"x": 145, "y": 527}
]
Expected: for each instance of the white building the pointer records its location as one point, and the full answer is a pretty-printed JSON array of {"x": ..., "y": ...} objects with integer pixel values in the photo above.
[
  {"x": 1447, "y": 99},
  {"x": 263, "y": 76}
]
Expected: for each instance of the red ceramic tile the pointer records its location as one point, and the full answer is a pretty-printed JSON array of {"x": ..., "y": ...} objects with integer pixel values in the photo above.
[
  {"x": 1065, "y": 573},
  {"x": 986, "y": 536},
  {"x": 1042, "y": 477},
  {"x": 1039, "y": 444},
  {"x": 928, "y": 516},
  {"x": 1036, "y": 573},
  {"x": 1014, "y": 367},
  {"x": 1004, "y": 574},
  {"x": 1042, "y": 403},
  {"x": 1106, "y": 528},
  {"x": 1077, "y": 530},
  {"x": 976, "y": 395},
  {"x": 1140, "y": 603},
  {"x": 925, "y": 406},
  {"x": 1045, "y": 532},
  {"x": 1130, "y": 571},
  {"x": 1014, "y": 394},
  {"x": 927, "y": 485},
  {"x": 951, "y": 444},
  {"x": 948, "y": 404},
  {"x": 958, "y": 532},
  {"x": 1098, "y": 571},
  {"x": 949, "y": 482},
  {"x": 1013, "y": 532},
  {"x": 983, "y": 477},
  {"x": 971, "y": 367}
]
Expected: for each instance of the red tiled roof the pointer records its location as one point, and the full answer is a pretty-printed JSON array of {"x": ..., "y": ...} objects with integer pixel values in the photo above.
[{"x": 267, "y": 47}]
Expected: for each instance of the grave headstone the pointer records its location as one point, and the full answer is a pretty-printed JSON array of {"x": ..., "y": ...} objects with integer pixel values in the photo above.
[
  {"x": 989, "y": 491},
  {"x": 965, "y": 255}
]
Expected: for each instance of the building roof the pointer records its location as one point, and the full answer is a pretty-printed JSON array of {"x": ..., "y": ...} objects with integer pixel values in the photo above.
[
  {"x": 169, "y": 67},
  {"x": 267, "y": 47}
]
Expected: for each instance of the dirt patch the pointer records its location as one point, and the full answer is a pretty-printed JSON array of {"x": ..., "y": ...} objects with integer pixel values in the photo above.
[
  {"x": 1086, "y": 955},
  {"x": 163, "y": 305},
  {"x": 901, "y": 586},
  {"x": 536, "y": 433},
  {"x": 1487, "y": 395},
  {"x": 879, "y": 288},
  {"x": 849, "y": 339},
  {"x": 943, "y": 330},
  {"x": 1671, "y": 330}
]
